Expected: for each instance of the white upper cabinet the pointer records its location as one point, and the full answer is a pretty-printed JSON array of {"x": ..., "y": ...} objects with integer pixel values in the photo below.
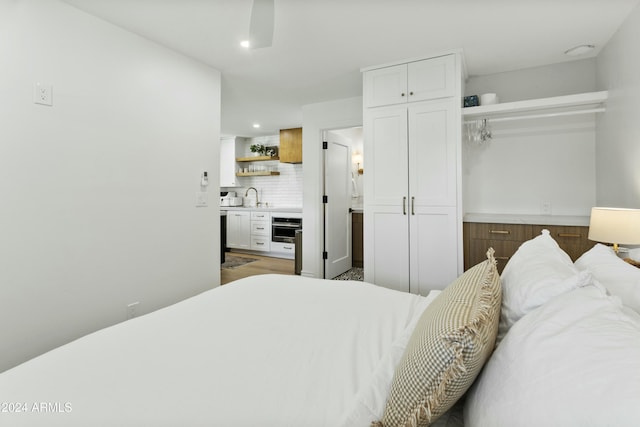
[
  {"x": 228, "y": 148},
  {"x": 411, "y": 82}
]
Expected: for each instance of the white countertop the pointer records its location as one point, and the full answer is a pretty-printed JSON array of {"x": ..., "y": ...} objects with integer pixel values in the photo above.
[
  {"x": 527, "y": 219},
  {"x": 262, "y": 209}
]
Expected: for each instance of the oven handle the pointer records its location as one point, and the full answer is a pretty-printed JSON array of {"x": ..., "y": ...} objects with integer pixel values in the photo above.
[{"x": 286, "y": 224}]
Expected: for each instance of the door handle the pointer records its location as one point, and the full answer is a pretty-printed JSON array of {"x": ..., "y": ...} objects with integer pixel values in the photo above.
[
  {"x": 404, "y": 205},
  {"x": 413, "y": 203}
]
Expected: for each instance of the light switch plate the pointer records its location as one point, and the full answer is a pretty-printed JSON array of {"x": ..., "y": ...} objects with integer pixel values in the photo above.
[{"x": 201, "y": 199}]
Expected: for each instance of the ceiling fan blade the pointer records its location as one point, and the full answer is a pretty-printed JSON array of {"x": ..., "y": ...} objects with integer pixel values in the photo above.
[{"x": 261, "y": 24}]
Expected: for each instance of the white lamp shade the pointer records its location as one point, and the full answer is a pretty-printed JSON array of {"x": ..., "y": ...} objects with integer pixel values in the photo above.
[{"x": 615, "y": 225}]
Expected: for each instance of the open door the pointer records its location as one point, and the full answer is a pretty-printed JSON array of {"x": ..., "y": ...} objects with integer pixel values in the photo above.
[{"x": 337, "y": 206}]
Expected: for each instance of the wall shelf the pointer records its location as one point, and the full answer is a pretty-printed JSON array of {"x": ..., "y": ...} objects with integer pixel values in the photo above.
[
  {"x": 257, "y": 158},
  {"x": 259, "y": 173},
  {"x": 592, "y": 102}
]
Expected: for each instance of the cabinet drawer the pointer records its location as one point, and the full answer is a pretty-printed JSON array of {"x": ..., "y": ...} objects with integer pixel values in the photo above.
[
  {"x": 516, "y": 232},
  {"x": 260, "y": 216},
  {"x": 572, "y": 239},
  {"x": 287, "y": 248},
  {"x": 260, "y": 228},
  {"x": 260, "y": 243},
  {"x": 504, "y": 250}
]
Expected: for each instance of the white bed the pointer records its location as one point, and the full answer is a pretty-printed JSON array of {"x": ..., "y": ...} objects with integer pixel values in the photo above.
[
  {"x": 266, "y": 350},
  {"x": 288, "y": 351}
]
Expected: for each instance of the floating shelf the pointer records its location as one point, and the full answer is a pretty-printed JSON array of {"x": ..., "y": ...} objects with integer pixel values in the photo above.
[
  {"x": 257, "y": 158},
  {"x": 259, "y": 173},
  {"x": 592, "y": 102}
]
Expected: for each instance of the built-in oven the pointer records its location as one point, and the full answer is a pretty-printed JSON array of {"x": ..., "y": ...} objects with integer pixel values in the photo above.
[{"x": 283, "y": 228}]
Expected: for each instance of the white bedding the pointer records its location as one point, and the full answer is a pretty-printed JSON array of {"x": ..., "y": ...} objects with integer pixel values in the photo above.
[{"x": 266, "y": 350}]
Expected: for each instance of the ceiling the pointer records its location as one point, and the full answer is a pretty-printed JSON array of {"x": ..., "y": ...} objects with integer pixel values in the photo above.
[{"x": 319, "y": 46}]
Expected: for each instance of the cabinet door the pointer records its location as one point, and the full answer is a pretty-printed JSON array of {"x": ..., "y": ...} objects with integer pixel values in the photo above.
[
  {"x": 238, "y": 230},
  {"x": 433, "y": 248},
  {"x": 385, "y": 151},
  {"x": 431, "y": 78},
  {"x": 385, "y": 86},
  {"x": 433, "y": 154},
  {"x": 386, "y": 248},
  {"x": 291, "y": 145},
  {"x": 228, "y": 162}
]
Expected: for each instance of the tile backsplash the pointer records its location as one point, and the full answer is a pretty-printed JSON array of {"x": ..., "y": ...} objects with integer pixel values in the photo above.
[{"x": 284, "y": 190}]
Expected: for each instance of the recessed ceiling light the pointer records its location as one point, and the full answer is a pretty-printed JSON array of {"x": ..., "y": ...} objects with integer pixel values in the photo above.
[
  {"x": 256, "y": 125},
  {"x": 244, "y": 43},
  {"x": 580, "y": 50}
]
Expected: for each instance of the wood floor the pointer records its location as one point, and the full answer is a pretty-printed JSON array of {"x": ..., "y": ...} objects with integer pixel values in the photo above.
[{"x": 264, "y": 265}]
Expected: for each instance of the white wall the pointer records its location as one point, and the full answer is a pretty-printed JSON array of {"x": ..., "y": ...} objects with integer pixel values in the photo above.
[
  {"x": 529, "y": 162},
  {"x": 618, "y": 134},
  {"x": 98, "y": 190},
  {"x": 337, "y": 114}
]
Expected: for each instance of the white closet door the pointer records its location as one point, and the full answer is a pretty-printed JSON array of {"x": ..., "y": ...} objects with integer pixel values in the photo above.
[
  {"x": 385, "y": 86},
  {"x": 385, "y": 152},
  {"x": 433, "y": 248},
  {"x": 386, "y": 241},
  {"x": 431, "y": 78},
  {"x": 386, "y": 248},
  {"x": 433, "y": 154}
]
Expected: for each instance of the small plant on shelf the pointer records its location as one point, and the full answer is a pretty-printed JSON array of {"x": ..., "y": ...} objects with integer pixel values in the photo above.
[{"x": 261, "y": 150}]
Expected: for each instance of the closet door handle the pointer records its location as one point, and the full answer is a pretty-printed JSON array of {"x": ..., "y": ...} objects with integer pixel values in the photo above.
[
  {"x": 413, "y": 203},
  {"x": 404, "y": 205}
]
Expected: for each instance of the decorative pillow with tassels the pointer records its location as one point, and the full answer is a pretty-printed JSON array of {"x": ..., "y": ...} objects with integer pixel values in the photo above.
[{"x": 453, "y": 339}]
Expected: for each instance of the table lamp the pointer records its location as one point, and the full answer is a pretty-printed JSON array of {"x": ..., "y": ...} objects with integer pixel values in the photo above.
[{"x": 615, "y": 225}]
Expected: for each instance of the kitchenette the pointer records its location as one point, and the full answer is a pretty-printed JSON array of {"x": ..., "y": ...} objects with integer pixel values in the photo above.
[{"x": 261, "y": 194}]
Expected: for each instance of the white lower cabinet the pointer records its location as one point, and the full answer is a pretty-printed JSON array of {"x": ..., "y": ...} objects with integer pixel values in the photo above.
[
  {"x": 239, "y": 229},
  {"x": 283, "y": 250},
  {"x": 260, "y": 231},
  {"x": 250, "y": 231}
]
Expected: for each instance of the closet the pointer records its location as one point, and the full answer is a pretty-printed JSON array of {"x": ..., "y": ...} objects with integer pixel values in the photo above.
[{"x": 412, "y": 133}]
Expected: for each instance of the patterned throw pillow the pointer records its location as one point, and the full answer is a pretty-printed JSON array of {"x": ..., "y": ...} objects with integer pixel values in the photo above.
[{"x": 451, "y": 342}]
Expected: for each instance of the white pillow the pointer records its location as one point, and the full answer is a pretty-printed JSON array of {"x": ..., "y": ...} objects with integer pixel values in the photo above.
[
  {"x": 620, "y": 278},
  {"x": 537, "y": 272},
  {"x": 575, "y": 361}
]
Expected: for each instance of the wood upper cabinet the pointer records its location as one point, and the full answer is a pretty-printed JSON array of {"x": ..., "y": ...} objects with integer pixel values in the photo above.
[
  {"x": 291, "y": 145},
  {"x": 415, "y": 81}
]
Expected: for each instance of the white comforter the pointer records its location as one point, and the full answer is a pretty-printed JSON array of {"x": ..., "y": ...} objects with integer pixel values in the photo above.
[{"x": 269, "y": 350}]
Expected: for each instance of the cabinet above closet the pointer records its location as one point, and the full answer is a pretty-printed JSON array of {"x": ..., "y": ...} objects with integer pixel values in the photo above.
[
  {"x": 583, "y": 103},
  {"x": 410, "y": 82}
]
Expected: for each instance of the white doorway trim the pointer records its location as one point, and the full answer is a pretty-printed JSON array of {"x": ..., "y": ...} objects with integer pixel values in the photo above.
[{"x": 337, "y": 114}]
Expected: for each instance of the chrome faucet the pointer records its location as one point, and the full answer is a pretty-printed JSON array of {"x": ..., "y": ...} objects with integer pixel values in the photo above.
[{"x": 247, "y": 193}]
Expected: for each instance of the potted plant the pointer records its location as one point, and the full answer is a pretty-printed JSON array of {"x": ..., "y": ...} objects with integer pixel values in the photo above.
[
  {"x": 258, "y": 149},
  {"x": 261, "y": 150}
]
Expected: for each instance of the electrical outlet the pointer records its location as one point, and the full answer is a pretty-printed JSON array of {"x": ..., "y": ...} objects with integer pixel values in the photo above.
[
  {"x": 132, "y": 310},
  {"x": 545, "y": 208},
  {"x": 201, "y": 199},
  {"x": 43, "y": 94}
]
